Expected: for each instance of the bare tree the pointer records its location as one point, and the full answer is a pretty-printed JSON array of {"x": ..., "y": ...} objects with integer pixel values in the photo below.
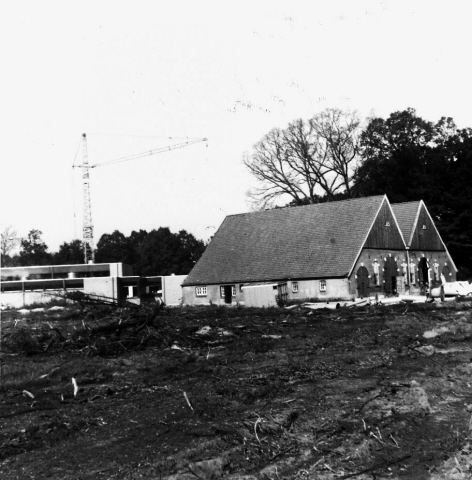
[
  {"x": 306, "y": 160},
  {"x": 8, "y": 242}
]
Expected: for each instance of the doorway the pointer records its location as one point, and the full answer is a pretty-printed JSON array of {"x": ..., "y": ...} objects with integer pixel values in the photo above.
[
  {"x": 228, "y": 294},
  {"x": 423, "y": 271},
  {"x": 390, "y": 276},
  {"x": 363, "y": 282}
]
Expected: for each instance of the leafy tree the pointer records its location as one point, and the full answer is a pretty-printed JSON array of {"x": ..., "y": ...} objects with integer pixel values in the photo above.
[
  {"x": 113, "y": 247},
  {"x": 307, "y": 160},
  {"x": 190, "y": 250},
  {"x": 33, "y": 251},
  {"x": 159, "y": 252},
  {"x": 69, "y": 253},
  {"x": 164, "y": 253},
  {"x": 402, "y": 156},
  {"x": 135, "y": 240},
  {"x": 453, "y": 207}
]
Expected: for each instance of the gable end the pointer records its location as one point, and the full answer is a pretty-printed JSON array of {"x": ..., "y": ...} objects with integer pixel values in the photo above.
[
  {"x": 385, "y": 232},
  {"x": 425, "y": 236}
]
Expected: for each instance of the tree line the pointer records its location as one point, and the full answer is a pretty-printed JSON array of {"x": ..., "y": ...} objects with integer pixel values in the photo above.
[
  {"x": 334, "y": 156},
  {"x": 158, "y": 252}
]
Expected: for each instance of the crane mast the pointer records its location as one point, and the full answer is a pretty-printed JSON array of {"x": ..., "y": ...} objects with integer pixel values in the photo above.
[{"x": 89, "y": 252}]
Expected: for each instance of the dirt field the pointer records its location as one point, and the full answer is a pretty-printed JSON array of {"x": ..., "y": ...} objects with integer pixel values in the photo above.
[{"x": 201, "y": 393}]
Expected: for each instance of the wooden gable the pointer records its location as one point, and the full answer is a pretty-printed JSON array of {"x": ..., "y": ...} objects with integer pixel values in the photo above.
[
  {"x": 425, "y": 236},
  {"x": 385, "y": 232}
]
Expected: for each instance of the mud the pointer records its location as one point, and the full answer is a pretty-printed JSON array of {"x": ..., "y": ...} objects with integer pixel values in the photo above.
[{"x": 240, "y": 393}]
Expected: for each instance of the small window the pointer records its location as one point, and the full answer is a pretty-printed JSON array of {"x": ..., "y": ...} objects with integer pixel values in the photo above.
[
  {"x": 387, "y": 224},
  {"x": 201, "y": 291},
  {"x": 295, "y": 287},
  {"x": 233, "y": 290},
  {"x": 424, "y": 227},
  {"x": 323, "y": 286}
]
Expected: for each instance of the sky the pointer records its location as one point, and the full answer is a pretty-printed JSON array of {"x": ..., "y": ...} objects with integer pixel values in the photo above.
[{"x": 136, "y": 76}]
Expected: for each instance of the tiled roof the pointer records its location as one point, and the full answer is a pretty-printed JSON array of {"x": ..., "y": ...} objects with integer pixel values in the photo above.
[
  {"x": 313, "y": 241},
  {"x": 406, "y": 214}
]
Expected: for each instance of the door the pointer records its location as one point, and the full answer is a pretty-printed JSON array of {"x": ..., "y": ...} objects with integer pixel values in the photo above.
[
  {"x": 423, "y": 271},
  {"x": 363, "y": 282},
  {"x": 228, "y": 290},
  {"x": 390, "y": 276}
]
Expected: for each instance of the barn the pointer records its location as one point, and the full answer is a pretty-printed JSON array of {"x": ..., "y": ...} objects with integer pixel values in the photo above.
[{"x": 338, "y": 250}]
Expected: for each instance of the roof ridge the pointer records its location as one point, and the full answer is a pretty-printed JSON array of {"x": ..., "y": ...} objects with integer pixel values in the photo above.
[
  {"x": 404, "y": 203},
  {"x": 319, "y": 204}
]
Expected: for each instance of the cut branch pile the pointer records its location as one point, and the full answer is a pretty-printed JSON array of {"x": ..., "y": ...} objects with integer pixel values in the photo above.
[{"x": 101, "y": 328}]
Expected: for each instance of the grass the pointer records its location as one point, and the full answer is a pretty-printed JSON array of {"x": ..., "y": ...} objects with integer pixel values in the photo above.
[
  {"x": 20, "y": 373},
  {"x": 23, "y": 375}
]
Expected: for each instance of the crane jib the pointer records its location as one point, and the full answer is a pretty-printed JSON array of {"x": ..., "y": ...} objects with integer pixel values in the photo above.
[{"x": 88, "y": 242}]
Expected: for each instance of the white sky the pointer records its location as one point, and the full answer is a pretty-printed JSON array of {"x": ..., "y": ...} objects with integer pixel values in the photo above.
[{"x": 229, "y": 71}]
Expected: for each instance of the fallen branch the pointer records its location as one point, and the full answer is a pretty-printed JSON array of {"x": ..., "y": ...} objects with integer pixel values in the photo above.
[
  {"x": 188, "y": 401},
  {"x": 369, "y": 400},
  {"x": 376, "y": 467},
  {"x": 255, "y": 428},
  {"x": 428, "y": 356}
]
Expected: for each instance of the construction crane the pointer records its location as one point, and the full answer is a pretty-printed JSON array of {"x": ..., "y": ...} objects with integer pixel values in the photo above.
[{"x": 88, "y": 243}]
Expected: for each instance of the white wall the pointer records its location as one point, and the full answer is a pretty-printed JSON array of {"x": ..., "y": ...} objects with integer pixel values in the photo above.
[
  {"x": 101, "y": 286},
  {"x": 260, "y": 295},
  {"x": 335, "y": 288},
  {"x": 172, "y": 289},
  {"x": 23, "y": 299}
]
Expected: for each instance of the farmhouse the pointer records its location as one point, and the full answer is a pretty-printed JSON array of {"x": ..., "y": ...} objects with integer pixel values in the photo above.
[{"x": 338, "y": 250}]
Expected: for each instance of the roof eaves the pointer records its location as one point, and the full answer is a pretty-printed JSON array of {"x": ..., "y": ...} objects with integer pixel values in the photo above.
[
  {"x": 415, "y": 223},
  {"x": 273, "y": 280},
  {"x": 434, "y": 225}
]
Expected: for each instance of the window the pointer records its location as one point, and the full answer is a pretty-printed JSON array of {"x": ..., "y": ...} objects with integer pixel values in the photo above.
[
  {"x": 424, "y": 227},
  {"x": 322, "y": 285},
  {"x": 294, "y": 287},
  {"x": 233, "y": 290},
  {"x": 201, "y": 291},
  {"x": 387, "y": 224}
]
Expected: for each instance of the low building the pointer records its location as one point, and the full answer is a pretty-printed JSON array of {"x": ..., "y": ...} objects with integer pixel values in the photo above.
[
  {"x": 46, "y": 272},
  {"x": 23, "y": 286},
  {"x": 338, "y": 250}
]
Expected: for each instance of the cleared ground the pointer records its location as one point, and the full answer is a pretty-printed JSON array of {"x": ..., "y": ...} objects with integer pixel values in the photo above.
[{"x": 199, "y": 393}]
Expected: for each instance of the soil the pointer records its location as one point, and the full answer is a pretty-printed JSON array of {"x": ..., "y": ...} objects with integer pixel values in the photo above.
[{"x": 368, "y": 392}]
